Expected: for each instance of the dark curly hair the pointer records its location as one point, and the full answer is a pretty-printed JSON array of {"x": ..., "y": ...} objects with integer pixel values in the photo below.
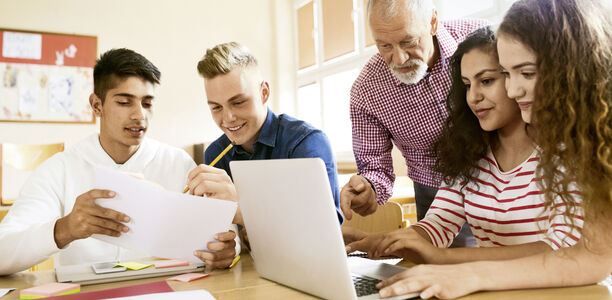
[{"x": 462, "y": 141}]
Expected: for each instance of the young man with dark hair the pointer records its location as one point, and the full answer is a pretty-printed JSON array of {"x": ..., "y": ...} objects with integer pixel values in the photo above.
[{"x": 56, "y": 213}]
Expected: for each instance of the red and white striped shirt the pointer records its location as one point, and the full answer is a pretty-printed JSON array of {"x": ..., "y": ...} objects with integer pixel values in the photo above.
[
  {"x": 384, "y": 110},
  {"x": 502, "y": 208}
]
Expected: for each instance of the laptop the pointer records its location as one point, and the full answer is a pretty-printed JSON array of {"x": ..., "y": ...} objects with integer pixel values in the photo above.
[
  {"x": 84, "y": 273},
  {"x": 293, "y": 230}
]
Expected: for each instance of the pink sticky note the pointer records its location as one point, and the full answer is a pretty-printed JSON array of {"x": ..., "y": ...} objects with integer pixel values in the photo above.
[
  {"x": 170, "y": 263},
  {"x": 50, "y": 289},
  {"x": 188, "y": 277}
]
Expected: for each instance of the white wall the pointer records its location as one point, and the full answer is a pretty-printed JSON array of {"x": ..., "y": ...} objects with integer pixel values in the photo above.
[{"x": 172, "y": 34}]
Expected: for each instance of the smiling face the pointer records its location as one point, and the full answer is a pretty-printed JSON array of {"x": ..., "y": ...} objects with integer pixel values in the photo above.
[
  {"x": 124, "y": 116},
  {"x": 485, "y": 92},
  {"x": 519, "y": 66},
  {"x": 405, "y": 42},
  {"x": 237, "y": 104}
]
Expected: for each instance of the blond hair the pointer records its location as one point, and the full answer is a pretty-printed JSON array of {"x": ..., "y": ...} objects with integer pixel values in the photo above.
[{"x": 222, "y": 58}]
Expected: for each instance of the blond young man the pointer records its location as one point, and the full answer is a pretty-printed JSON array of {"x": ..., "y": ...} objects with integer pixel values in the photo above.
[{"x": 237, "y": 95}]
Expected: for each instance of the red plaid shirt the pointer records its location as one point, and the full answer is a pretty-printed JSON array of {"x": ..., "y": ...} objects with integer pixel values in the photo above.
[{"x": 384, "y": 111}]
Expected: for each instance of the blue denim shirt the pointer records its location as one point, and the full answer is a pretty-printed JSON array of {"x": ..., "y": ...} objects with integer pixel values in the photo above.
[{"x": 282, "y": 137}]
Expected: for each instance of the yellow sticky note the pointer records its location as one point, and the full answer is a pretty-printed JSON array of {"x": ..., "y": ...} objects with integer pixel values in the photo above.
[{"x": 133, "y": 265}]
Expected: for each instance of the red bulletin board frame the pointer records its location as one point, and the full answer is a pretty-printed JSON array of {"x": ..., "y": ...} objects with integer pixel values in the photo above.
[{"x": 52, "y": 43}]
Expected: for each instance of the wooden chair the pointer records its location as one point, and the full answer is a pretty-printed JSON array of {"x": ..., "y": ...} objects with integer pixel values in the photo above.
[
  {"x": 16, "y": 164},
  {"x": 3, "y": 213},
  {"x": 386, "y": 218}
]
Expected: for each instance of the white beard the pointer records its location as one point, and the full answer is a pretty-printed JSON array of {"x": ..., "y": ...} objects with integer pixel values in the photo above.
[{"x": 411, "y": 77}]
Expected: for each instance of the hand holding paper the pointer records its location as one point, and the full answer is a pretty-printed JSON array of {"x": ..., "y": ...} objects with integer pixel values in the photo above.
[
  {"x": 87, "y": 218},
  {"x": 224, "y": 250},
  {"x": 163, "y": 223}
]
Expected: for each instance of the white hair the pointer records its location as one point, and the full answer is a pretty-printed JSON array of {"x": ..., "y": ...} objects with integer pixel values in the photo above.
[{"x": 389, "y": 8}]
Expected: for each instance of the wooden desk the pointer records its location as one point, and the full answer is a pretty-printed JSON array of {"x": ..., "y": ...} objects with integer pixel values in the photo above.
[{"x": 242, "y": 282}]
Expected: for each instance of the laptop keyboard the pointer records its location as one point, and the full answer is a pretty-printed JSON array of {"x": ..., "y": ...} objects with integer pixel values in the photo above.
[{"x": 365, "y": 285}]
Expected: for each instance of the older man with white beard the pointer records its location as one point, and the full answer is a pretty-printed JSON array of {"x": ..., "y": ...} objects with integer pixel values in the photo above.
[{"x": 399, "y": 98}]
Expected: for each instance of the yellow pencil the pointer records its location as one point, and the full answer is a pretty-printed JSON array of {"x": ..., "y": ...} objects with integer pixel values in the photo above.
[
  {"x": 212, "y": 164},
  {"x": 215, "y": 161},
  {"x": 235, "y": 261}
]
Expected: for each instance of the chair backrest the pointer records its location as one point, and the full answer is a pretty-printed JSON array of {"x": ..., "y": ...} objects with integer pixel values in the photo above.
[
  {"x": 3, "y": 212},
  {"x": 386, "y": 218},
  {"x": 17, "y": 163}
]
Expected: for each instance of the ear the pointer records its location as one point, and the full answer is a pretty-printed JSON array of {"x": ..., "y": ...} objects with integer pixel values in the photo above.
[
  {"x": 265, "y": 92},
  {"x": 434, "y": 22},
  {"x": 96, "y": 104}
]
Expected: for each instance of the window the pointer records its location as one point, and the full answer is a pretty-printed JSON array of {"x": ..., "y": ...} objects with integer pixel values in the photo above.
[
  {"x": 341, "y": 48},
  {"x": 309, "y": 104},
  {"x": 306, "y": 42}
]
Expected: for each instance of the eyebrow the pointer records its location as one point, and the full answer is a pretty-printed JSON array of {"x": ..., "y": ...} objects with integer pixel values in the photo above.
[
  {"x": 523, "y": 65},
  {"x": 481, "y": 72},
  {"x": 126, "y": 95},
  {"x": 484, "y": 71},
  {"x": 228, "y": 100},
  {"x": 406, "y": 37}
]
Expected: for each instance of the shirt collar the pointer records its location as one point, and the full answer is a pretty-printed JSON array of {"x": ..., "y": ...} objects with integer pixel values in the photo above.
[
  {"x": 91, "y": 151},
  {"x": 447, "y": 45},
  {"x": 267, "y": 135}
]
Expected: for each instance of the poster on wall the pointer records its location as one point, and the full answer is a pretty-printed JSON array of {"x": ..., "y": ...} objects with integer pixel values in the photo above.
[{"x": 46, "y": 77}]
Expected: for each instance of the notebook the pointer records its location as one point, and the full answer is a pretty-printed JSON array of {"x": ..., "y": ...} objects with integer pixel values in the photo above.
[
  {"x": 293, "y": 230},
  {"x": 84, "y": 274},
  {"x": 131, "y": 290}
]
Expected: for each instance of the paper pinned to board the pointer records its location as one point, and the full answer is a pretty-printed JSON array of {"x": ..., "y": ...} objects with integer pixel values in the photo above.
[
  {"x": 22, "y": 45},
  {"x": 163, "y": 223}
]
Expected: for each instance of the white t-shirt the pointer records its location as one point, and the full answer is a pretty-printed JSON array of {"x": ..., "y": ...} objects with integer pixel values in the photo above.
[{"x": 26, "y": 233}]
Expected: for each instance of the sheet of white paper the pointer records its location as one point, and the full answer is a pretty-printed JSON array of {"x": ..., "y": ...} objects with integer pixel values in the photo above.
[
  {"x": 60, "y": 93},
  {"x": 163, "y": 223},
  {"x": 194, "y": 294},
  {"x": 27, "y": 99},
  {"x": 5, "y": 291},
  {"x": 21, "y": 45}
]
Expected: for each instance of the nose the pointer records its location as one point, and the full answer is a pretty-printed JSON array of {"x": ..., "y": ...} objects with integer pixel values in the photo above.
[
  {"x": 474, "y": 95},
  {"x": 228, "y": 116},
  {"x": 514, "y": 89},
  {"x": 138, "y": 113},
  {"x": 399, "y": 56}
]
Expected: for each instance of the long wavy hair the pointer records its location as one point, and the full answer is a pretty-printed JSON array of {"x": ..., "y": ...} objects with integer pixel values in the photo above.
[
  {"x": 461, "y": 128},
  {"x": 572, "y": 40}
]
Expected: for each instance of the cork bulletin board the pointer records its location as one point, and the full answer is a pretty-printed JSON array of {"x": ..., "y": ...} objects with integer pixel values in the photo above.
[{"x": 46, "y": 77}]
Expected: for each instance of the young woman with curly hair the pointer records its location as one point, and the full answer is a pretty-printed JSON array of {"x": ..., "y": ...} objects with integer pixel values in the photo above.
[{"x": 557, "y": 58}]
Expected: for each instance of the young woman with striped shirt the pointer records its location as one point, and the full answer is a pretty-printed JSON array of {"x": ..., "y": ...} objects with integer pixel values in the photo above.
[{"x": 488, "y": 158}]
